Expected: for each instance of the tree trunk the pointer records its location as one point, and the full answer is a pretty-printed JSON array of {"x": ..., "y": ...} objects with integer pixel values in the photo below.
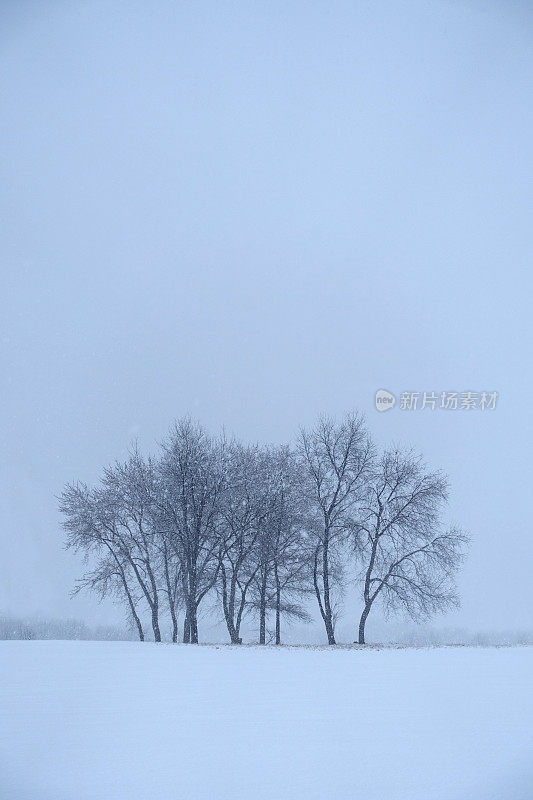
[
  {"x": 230, "y": 626},
  {"x": 240, "y": 612},
  {"x": 174, "y": 627},
  {"x": 368, "y": 578},
  {"x": 139, "y": 626},
  {"x": 362, "y": 623},
  {"x": 155, "y": 623},
  {"x": 330, "y": 631},
  {"x": 228, "y": 605},
  {"x": 128, "y": 594},
  {"x": 132, "y": 606},
  {"x": 193, "y": 624},
  {"x": 327, "y": 619},
  {"x": 171, "y": 603},
  {"x": 262, "y": 609},
  {"x": 136, "y": 619},
  {"x": 328, "y": 616},
  {"x": 278, "y": 607},
  {"x": 186, "y": 630}
]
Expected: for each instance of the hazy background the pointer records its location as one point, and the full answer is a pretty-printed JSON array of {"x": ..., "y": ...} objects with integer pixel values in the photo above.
[{"x": 257, "y": 212}]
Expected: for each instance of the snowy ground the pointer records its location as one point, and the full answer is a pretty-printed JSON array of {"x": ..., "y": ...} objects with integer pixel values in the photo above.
[{"x": 131, "y": 721}]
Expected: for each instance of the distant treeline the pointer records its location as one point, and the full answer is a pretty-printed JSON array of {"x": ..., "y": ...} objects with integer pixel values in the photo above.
[
  {"x": 28, "y": 628},
  {"x": 39, "y": 628},
  {"x": 424, "y": 636},
  {"x": 256, "y": 531}
]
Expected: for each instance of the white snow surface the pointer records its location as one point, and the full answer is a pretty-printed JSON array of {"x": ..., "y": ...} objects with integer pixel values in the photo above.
[{"x": 133, "y": 721}]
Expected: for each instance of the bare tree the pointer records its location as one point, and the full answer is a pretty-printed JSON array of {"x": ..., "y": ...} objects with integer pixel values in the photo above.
[
  {"x": 289, "y": 540},
  {"x": 265, "y": 527},
  {"x": 130, "y": 490},
  {"x": 192, "y": 475},
  {"x": 282, "y": 575},
  {"x": 170, "y": 570},
  {"x": 243, "y": 510},
  {"x": 336, "y": 459},
  {"x": 116, "y": 520},
  {"x": 110, "y": 579},
  {"x": 409, "y": 560}
]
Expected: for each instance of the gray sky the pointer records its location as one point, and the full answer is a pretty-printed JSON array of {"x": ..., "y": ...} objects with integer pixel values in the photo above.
[{"x": 257, "y": 212}]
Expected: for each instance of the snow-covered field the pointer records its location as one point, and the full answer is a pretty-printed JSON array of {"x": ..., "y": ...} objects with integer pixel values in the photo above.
[{"x": 124, "y": 720}]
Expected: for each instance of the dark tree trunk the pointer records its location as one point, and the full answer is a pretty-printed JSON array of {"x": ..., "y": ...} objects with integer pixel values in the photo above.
[
  {"x": 231, "y": 627},
  {"x": 194, "y": 631},
  {"x": 278, "y": 607},
  {"x": 174, "y": 627},
  {"x": 327, "y": 620},
  {"x": 136, "y": 618},
  {"x": 171, "y": 602},
  {"x": 128, "y": 594},
  {"x": 240, "y": 612},
  {"x": 330, "y": 631},
  {"x": 368, "y": 577},
  {"x": 155, "y": 623},
  {"x": 242, "y": 606},
  {"x": 132, "y": 606},
  {"x": 362, "y": 623},
  {"x": 262, "y": 609},
  {"x": 186, "y": 630},
  {"x": 193, "y": 624},
  {"x": 151, "y": 599},
  {"x": 327, "y": 602},
  {"x": 228, "y": 605},
  {"x": 139, "y": 626}
]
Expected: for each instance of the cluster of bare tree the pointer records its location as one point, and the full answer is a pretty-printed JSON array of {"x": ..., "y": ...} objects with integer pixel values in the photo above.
[{"x": 262, "y": 529}]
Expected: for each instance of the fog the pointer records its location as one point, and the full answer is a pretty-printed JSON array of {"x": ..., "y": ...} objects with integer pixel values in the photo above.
[{"x": 256, "y": 214}]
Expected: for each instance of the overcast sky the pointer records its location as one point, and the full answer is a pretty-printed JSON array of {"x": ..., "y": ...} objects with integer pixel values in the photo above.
[{"x": 255, "y": 213}]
